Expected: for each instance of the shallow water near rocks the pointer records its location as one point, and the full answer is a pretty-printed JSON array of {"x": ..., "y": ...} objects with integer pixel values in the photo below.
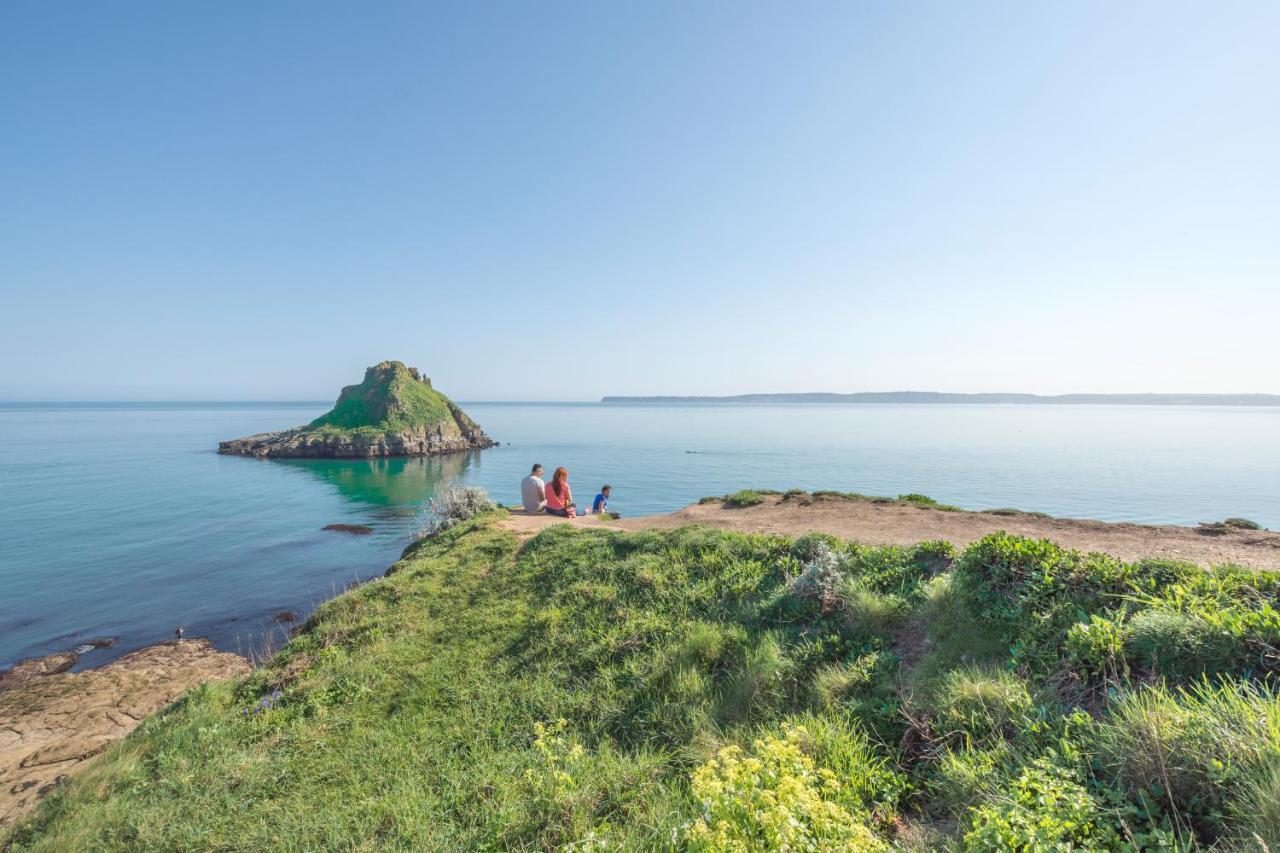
[{"x": 120, "y": 520}]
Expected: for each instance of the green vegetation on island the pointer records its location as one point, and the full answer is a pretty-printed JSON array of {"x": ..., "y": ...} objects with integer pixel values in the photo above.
[
  {"x": 394, "y": 411},
  {"x": 391, "y": 398},
  {"x": 710, "y": 690}
]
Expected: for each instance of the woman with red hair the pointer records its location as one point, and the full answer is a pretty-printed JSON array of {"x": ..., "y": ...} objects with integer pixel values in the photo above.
[{"x": 559, "y": 496}]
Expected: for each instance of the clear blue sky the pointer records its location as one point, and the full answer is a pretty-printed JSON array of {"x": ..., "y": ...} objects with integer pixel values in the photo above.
[{"x": 552, "y": 201}]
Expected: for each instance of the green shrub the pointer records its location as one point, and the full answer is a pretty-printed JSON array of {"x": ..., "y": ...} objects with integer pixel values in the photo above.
[
  {"x": 869, "y": 781},
  {"x": 979, "y": 705},
  {"x": 1221, "y": 528},
  {"x": 1255, "y": 812},
  {"x": 1048, "y": 808},
  {"x": 1096, "y": 648},
  {"x": 1177, "y": 644},
  {"x": 744, "y": 498},
  {"x": 900, "y": 570},
  {"x": 868, "y": 614},
  {"x": 756, "y": 686},
  {"x": 774, "y": 799},
  {"x": 705, "y": 644},
  {"x": 1177, "y": 621},
  {"x": 865, "y": 689},
  {"x": 964, "y": 778},
  {"x": 1191, "y": 751},
  {"x": 837, "y": 684},
  {"x": 926, "y": 501},
  {"x": 807, "y": 548}
]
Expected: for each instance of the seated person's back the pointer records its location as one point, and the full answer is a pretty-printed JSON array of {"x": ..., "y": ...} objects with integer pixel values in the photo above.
[{"x": 533, "y": 491}]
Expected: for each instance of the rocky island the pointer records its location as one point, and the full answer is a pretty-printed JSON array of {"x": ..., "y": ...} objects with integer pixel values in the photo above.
[{"x": 393, "y": 412}]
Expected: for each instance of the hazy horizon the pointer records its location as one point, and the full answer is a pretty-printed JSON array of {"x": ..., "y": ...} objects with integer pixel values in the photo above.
[
  {"x": 246, "y": 202},
  {"x": 621, "y": 397}
]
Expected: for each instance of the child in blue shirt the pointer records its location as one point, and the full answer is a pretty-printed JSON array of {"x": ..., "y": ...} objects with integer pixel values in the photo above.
[{"x": 601, "y": 503}]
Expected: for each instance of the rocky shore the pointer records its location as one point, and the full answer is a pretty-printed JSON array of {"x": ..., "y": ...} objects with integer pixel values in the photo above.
[
  {"x": 304, "y": 443},
  {"x": 52, "y": 721}
]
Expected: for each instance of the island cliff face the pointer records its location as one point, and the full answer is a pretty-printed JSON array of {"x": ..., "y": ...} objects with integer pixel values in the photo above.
[{"x": 393, "y": 412}]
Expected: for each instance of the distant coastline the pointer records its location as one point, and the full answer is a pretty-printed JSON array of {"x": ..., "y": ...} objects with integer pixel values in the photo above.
[{"x": 872, "y": 397}]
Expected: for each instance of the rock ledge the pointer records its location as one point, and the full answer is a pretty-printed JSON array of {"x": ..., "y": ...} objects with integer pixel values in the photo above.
[{"x": 52, "y": 721}]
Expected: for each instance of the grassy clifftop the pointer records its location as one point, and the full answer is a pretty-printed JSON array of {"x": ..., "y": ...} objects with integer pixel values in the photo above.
[{"x": 712, "y": 690}]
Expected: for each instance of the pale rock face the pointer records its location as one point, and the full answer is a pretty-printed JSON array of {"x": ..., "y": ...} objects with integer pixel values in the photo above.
[{"x": 52, "y": 722}]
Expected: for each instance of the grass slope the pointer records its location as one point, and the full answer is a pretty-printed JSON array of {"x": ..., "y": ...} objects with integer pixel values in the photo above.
[
  {"x": 389, "y": 399},
  {"x": 704, "y": 689}
]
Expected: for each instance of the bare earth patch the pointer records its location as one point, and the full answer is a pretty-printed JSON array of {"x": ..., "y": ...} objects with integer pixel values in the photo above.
[
  {"x": 900, "y": 523},
  {"x": 53, "y": 721}
]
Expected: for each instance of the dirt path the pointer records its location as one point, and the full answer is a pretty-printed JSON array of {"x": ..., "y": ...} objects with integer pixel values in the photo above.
[{"x": 906, "y": 524}]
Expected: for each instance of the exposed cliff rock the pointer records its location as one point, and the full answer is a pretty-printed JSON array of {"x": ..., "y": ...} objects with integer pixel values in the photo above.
[
  {"x": 393, "y": 412},
  {"x": 53, "y": 721}
]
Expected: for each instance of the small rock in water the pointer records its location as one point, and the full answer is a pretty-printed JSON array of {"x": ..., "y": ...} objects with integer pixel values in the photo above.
[{"x": 354, "y": 529}]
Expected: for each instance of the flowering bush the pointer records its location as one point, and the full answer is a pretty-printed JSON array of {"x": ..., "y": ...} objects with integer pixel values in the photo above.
[
  {"x": 555, "y": 776},
  {"x": 774, "y": 800}
]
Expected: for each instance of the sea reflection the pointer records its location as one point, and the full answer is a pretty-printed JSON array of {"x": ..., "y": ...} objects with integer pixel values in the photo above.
[{"x": 387, "y": 482}]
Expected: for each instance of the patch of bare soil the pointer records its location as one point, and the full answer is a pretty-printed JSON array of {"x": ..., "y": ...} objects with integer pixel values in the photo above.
[
  {"x": 53, "y": 721},
  {"x": 898, "y": 523},
  {"x": 906, "y": 524}
]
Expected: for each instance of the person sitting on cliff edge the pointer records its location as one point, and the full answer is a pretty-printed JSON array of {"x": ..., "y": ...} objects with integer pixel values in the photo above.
[
  {"x": 533, "y": 493},
  {"x": 559, "y": 496},
  {"x": 601, "y": 503}
]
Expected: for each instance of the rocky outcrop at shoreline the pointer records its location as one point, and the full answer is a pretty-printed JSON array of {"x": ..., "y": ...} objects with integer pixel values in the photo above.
[
  {"x": 52, "y": 721},
  {"x": 393, "y": 412}
]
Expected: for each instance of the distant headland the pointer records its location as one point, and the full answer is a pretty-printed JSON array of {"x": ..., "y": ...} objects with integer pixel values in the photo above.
[
  {"x": 871, "y": 397},
  {"x": 393, "y": 412}
]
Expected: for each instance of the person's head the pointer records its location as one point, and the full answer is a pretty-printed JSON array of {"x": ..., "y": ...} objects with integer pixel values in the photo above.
[
  {"x": 537, "y": 469},
  {"x": 606, "y": 489},
  {"x": 559, "y": 480}
]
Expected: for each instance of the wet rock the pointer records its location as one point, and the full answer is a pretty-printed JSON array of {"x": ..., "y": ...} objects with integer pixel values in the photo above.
[
  {"x": 353, "y": 529},
  {"x": 29, "y": 668}
]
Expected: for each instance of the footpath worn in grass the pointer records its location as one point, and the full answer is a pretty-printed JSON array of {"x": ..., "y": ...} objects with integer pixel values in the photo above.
[{"x": 709, "y": 690}]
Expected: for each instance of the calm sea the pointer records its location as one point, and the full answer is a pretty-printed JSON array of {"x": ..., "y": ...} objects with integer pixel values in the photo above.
[{"x": 121, "y": 520}]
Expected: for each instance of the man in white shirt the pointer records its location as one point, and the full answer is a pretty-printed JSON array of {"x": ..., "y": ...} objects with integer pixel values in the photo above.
[{"x": 533, "y": 492}]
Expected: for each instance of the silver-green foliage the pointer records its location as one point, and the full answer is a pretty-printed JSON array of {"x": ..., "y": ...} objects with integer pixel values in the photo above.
[{"x": 453, "y": 506}]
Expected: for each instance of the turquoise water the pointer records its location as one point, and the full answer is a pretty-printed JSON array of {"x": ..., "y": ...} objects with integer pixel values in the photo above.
[{"x": 122, "y": 521}]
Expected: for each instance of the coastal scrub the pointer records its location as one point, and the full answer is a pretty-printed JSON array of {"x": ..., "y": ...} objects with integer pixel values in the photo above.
[{"x": 705, "y": 689}]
